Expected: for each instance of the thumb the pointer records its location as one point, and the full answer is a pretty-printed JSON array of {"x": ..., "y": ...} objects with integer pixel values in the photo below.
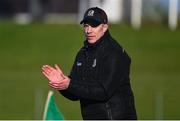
[
  {"x": 58, "y": 68},
  {"x": 63, "y": 76}
]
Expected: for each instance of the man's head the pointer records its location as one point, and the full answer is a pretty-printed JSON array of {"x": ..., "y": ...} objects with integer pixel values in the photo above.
[{"x": 95, "y": 23}]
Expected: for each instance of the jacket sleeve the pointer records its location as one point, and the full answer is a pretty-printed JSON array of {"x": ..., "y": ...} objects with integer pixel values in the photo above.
[
  {"x": 111, "y": 78},
  {"x": 66, "y": 93}
]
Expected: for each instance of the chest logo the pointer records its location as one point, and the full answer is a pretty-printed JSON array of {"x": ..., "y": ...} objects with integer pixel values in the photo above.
[
  {"x": 79, "y": 63},
  {"x": 94, "y": 63}
]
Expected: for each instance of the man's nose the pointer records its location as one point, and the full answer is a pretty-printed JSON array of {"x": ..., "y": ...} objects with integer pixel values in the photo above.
[{"x": 89, "y": 29}]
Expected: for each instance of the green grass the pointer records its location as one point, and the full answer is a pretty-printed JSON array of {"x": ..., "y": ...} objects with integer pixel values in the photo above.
[{"x": 155, "y": 53}]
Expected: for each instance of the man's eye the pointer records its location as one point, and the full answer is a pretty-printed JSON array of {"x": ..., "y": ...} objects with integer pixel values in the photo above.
[{"x": 85, "y": 25}]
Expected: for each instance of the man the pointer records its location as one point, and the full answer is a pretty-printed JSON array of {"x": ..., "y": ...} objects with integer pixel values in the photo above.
[{"x": 100, "y": 75}]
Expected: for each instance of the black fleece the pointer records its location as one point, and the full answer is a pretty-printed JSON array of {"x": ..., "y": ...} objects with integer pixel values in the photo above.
[{"x": 100, "y": 80}]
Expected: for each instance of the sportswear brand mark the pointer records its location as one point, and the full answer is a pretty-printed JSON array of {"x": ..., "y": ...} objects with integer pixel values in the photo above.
[
  {"x": 79, "y": 63},
  {"x": 91, "y": 13},
  {"x": 94, "y": 63}
]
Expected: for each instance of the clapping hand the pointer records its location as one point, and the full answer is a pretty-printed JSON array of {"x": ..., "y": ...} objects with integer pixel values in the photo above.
[{"x": 57, "y": 79}]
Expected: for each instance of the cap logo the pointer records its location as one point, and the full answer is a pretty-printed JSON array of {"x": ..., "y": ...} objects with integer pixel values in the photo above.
[{"x": 91, "y": 13}]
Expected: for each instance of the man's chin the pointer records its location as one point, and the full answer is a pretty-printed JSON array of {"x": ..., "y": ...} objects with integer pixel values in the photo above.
[{"x": 91, "y": 41}]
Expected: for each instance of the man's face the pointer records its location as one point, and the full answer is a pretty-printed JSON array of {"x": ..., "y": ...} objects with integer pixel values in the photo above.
[{"x": 93, "y": 34}]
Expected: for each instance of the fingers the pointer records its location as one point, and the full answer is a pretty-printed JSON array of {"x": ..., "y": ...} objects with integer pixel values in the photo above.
[
  {"x": 50, "y": 70},
  {"x": 62, "y": 85},
  {"x": 57, "y": 79},
  {"x": 59, "y": 69},
  {"x": 47, "y": 69},
  {"x": 45, "y": 74},
  {"x": 58, "y": 86}
]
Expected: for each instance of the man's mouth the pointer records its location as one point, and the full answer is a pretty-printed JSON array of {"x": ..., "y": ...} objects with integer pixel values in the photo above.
[{"x": 89, "y": 36}]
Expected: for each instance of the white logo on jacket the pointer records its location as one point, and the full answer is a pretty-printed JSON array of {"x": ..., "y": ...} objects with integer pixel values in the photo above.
[
  {"x": 79, "y": 63},
  {"x": 94, "y": 63}
]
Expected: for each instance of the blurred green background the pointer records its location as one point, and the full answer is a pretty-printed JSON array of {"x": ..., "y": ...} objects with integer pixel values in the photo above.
[{"x": 155, "y": 70}]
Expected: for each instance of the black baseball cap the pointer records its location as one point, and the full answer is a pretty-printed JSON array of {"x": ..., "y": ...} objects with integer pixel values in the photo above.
[{"x": 94, "y": 16}]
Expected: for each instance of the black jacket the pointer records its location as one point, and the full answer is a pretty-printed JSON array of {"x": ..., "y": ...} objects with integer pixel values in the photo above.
[{"x": 100, "y": 80}]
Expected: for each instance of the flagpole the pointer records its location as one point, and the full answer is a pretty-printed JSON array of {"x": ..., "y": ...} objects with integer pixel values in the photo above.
[{"x": 46, "y": 105}]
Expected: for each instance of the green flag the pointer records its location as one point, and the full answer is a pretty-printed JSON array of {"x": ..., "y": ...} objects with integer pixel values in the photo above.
[{"x": 51, "y": 111}]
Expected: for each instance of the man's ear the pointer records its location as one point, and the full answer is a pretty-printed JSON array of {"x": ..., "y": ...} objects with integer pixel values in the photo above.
[{"x": 105, "y": 27}]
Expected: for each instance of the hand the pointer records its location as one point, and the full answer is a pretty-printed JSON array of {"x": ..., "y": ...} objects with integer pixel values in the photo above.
[
  {"x": 53, "y": 74},
  {"x": 57, "y": 79},
  {"x": 62, "y": 85}
]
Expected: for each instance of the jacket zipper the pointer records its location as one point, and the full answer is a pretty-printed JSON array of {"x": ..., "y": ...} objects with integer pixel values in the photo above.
[{"x": 109, "y": 111}]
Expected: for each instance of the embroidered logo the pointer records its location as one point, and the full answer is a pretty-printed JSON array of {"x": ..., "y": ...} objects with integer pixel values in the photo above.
[
  {"x": 79, "y": 63},
  {"x": 94, "y": 63},
  {"x": 91, "y": 13}
]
